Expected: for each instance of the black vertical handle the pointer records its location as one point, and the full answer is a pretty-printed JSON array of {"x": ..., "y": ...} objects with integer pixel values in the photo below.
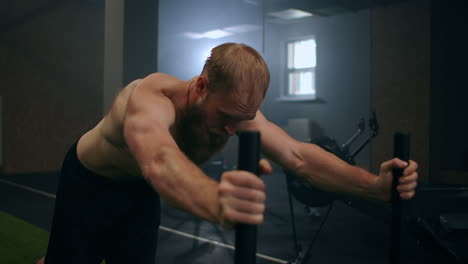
[
  {"x": 246, "y": 235},
  {"x": 401, "y": 151}
]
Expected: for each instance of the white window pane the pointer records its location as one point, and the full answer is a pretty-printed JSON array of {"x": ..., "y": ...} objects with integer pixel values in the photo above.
[
  {"x": 292, "y": 84},
  {"x": 302, "y": 54},
  {"x": 291, "y": 55},
  {"x": 301, "y": 83}
]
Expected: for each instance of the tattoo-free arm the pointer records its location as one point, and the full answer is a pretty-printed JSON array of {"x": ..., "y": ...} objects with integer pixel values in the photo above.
[
  {"x": 150, "y": 114},
  {"x": 319, "y": 167}
]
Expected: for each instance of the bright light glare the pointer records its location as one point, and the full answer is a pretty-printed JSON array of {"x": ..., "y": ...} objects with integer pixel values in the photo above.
[
  {"x": 301, "y": 83},
  {"x": 223, "y": 32},
  {"x": 204, "y": 55},
  {"x": 301, "y": 64},
  {"x": 192, "y": 35},
  {"x": 290, "y": 14},
  {"x": 301, "y": 54},
  {"x": 216, "y": 34},
  {"x": 243, "y": 28}
]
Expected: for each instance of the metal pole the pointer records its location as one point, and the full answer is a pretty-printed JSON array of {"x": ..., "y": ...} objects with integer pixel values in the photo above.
[
  {"x": 401, "y": 151},
  {"x": 246, "y": 235}
]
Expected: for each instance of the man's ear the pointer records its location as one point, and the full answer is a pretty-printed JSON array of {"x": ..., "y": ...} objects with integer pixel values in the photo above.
[{"x": 201, "y": 85}]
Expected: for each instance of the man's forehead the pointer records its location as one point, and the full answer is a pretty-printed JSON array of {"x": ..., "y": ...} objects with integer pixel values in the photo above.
[{"x": 239, "y": 112}]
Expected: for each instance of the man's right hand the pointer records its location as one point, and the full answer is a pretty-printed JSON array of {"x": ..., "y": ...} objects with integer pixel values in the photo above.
[{"x": 242, "y": 196}]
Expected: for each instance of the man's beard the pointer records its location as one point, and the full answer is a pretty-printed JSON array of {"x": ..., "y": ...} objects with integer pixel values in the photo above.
[{"x": 195, "y": 138}]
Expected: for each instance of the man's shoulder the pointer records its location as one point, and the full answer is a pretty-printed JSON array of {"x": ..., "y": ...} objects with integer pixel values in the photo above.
[
  {"x": 160, "y": 77},
  {"x": 160, "y": 82}
]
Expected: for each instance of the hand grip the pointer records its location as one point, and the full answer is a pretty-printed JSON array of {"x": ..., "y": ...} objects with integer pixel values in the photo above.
[
  {"x": 401, "y": 151},
  {"x": 246, "y": 235}
]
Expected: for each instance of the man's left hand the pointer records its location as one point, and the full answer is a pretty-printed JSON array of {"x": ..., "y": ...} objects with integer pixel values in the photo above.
[{"x": 407, "y": 183}]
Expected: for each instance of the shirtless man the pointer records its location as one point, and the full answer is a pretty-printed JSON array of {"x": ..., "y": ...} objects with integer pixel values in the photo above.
[{"x": 150, "y": 144}]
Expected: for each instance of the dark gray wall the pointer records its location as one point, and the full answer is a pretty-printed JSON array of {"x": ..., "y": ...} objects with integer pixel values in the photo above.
[
  {"x": 342, "y": 74},
  {"x": 449, "y": 129},
  {"x": 140, "y": 39}
]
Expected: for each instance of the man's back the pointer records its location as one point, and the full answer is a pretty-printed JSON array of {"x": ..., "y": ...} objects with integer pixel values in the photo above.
[{"x": 103, "y": 148}]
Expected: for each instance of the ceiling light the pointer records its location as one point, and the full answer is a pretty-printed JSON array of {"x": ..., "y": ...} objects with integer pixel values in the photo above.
[
  {"x": 193, "y": 35},
  {"x": 253, "y": 2},
  {"x": 224, "y": 32},
  {"x": 290, "y": 14},
  {"x": 216, "y": 34},
  {"x": 244, "y": 28}
]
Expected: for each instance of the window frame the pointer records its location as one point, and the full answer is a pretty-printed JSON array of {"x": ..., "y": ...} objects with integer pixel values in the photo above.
[{"x": 285, "y": 71}]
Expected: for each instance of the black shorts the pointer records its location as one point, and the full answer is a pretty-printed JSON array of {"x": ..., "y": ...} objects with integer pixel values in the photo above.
[{"x": 97, "y": 218}]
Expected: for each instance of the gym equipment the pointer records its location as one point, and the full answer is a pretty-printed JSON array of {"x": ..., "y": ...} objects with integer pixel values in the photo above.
[
  {"x": 438, "y": 224},
  {"x": 401, "y": 151},
  {"x": 246, "y": 235},
  {"x": 313, "y": 197},
  {"x": 409, "y": 228},
  {"x": 432, "y": 227}
]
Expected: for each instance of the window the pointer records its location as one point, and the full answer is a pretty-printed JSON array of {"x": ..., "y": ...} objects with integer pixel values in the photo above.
[{"x": 300, "y": 73}]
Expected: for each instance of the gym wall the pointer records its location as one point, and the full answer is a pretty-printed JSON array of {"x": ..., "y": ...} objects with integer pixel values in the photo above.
[
  {"x": 401, "y": 78},
  {"x": 342, "y": 76},
  {"x": 51, "y": 72},
  {"x": 419, "y": 85}
]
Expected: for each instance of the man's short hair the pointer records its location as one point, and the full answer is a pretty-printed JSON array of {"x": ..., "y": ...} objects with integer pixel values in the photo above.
[{"x": 235, "y": 66}]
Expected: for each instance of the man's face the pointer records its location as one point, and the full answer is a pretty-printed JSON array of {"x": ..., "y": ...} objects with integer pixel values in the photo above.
[
  {"x": 223, "y": 111},
  {"x": 209, "y": 123}
]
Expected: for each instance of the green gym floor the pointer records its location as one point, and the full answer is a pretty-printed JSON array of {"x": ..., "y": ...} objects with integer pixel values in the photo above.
[{"x": 348, "y": 235}]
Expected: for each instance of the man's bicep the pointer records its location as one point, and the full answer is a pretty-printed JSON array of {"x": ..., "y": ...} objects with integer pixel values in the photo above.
[
  {"x": 141, "y": 131},
  {"x": 147, "y": 124}
]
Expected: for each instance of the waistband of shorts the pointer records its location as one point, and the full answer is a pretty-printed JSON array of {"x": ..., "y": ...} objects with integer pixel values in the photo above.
[{"x": 98, "y": 177}]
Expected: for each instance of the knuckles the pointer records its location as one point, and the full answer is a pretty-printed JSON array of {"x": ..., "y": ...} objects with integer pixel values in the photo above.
[
  {"x": 242, "y": 197},
  {"x": 243, "y": 178},
  {"x": 407, "y": 195}
]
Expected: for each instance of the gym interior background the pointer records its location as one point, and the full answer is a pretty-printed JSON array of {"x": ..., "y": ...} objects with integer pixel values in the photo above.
[{"x": 62, "y": 61}]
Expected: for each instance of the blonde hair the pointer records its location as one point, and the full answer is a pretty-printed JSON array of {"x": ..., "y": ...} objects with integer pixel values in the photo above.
[{"x": 233, "y": 65}]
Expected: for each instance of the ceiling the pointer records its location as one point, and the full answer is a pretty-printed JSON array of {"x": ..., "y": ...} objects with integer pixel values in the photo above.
[
  {"x": 17, "y": 12},
  {"x": 327, "y": 7}
]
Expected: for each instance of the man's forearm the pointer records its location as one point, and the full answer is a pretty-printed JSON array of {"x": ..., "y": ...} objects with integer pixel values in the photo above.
[
  {"x": 328, "y": 172},
  {"x": 183, "y": 185}
]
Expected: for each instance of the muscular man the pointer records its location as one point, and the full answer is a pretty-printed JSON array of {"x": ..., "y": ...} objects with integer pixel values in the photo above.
[{"x": 149, "y": 145}]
